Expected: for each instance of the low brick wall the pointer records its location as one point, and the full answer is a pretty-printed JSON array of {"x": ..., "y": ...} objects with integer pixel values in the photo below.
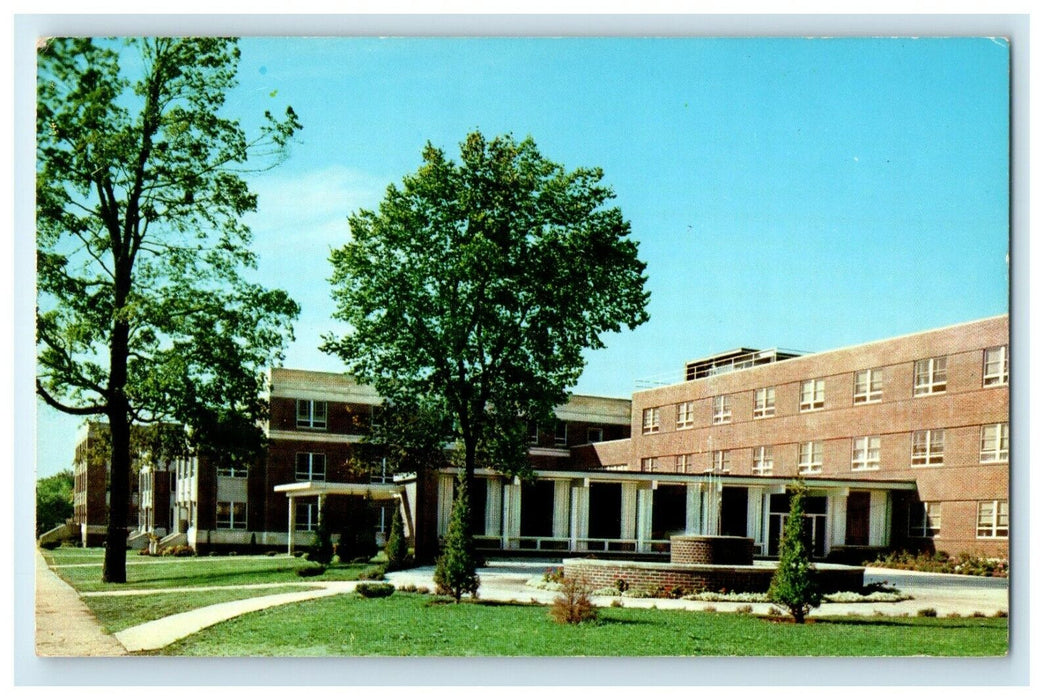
[
  {"x": 708, "y": 549},
  {"x": 703, "y": 577}
]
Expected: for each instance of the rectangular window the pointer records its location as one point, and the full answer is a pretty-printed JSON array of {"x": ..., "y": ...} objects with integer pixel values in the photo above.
[
  {"x": 306, "y": 517},
  {"x": 231, "y": 515},
  {"x": 683, "y": 463},
  {"x": 868, "y": 386},
  {"x": 721, "y": 412},
  {"x": 651, "y": 420},
  {"x": 866, "y": 453},
  {"x": 764, "y": 402},
  {"x": 925, "y": 519},
  {"x": 561, "y": 433},
  {"x": 993, "y": 519},
  {"x": 763, "y": 460},
  {"x": 929, "y": 376},
  {"x": 721, "y": 461},
  {"x": 236, "y": 470},
  {"x": 534, "y": 434},
  {"x": 928, "y": 447},
  {"x": 311, "y": 414},
  {"x": 684, "y": 415},
  {"x": 812, "y": 395},
  {"x": 594, "y": 434},
  {"x": 995, "y": 372},
  {"x": 310, "y": 466},
  {"x": 810, "y": 457},
  {"x": 994, "y": 443},
  {"x": 649, "y": 464}
]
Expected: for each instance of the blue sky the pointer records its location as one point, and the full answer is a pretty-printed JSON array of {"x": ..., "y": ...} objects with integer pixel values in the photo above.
[{"x": 801, "y": 193}]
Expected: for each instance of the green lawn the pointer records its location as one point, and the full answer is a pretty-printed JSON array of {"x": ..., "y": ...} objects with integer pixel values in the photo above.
[
  {"x": 116, "y": 613},
  {"x": 82, "y": 569},
  {"x": 413, "y": 625}
]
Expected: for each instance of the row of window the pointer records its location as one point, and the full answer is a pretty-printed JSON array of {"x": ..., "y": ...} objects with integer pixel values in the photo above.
[
  {"x": 930, "y": 377},
  {"x": 309, "y": 467},
  {"x": 992, "y": 521},
  {"x": 233, "y": 515},
  {"x": 928, "y": 449},
  {"x": 562, "y": 434}
]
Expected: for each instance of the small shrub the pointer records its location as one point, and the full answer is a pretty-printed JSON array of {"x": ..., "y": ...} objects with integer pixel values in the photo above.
[
  {"x": 454, "y": 572},
  {"x": 710, "y": 609},
  {"x": 621, "y": 585},
  {"x": 608, "y": 591},
  {"x": 375, "y": 573},
  {"x": 794, "y": 585},
  {"x": 53, "y": 544},
  {"x": 617, "y": 603},
  {"x": 773, "y": 612},
  {"x": 1000, "y": 613},
  {"x": 144, "y": 552},
  {"x": 375, "y": 590},
  {"x": 555, "y": 575},
  {"x": 743, "y": 610},
  {"x": 271, "y": 554},
  {"x": 397, "y": 549},
  {"x": 311, "y": 571},
  {"x": 926, "y": 612},
  {"x": 953, "y": 615},
  {"x": 977, "y": 613},
  {"x": 573, "y": 605}
]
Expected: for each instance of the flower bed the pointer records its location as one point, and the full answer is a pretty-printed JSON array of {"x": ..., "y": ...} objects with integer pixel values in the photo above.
[{"x": 942, "y": 563}]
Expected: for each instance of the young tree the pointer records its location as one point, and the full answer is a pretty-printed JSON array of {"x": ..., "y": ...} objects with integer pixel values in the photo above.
[
  {"x": 142, "y": 312},
  {"x": 454, "y": 572},
  {"x": 473, "y": 290},
  {"x": 794, "y": 586},
  {"x": 54, "y": 501},
  {"x": 397, "y": 548}
]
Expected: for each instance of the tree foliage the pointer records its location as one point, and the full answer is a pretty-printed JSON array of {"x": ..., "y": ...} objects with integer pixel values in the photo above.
[
  {"x": 397, "y": 548},
  {"x": 143, "y": 311},
  {"x": 473, "y": 290},
  {"x": 54, "y": 501},
  {"x": 454, "y": 572},
  {"x": 794, "y": 586}
]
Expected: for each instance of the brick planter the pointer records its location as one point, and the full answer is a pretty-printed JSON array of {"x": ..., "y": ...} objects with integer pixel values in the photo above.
[
  {"x": 694, "y": 578},
  {"x": 710, "y": 549}
]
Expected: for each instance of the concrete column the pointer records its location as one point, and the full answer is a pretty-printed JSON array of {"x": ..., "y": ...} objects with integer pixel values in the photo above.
[
  {"x": 694, "y": 508},
  {"x": 878, "y": 520},
  {"x": 291, "y": 525},
  {"x": 561, "y": 514},
  {"x": 445, "y": 502},
  {"x": 837, "y": 515},
  {"x": 494, "y": 509},
  {"x": 645, "y": 517},
  {"x": 756, "y": 527},
  {"x": 628, "y": 510},
  {"x": 512, "y": 513},
  {"x": 578, "y": 524}
]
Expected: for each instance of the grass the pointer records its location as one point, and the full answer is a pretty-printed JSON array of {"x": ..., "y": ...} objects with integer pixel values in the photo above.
[
  {"x": 82, "y": 569},
  {"x": 414, "y": 625},
  {"x": 116, "y": 613}
]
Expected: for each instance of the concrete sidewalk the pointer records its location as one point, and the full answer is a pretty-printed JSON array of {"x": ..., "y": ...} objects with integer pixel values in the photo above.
[{"x": 64, "y": 625}]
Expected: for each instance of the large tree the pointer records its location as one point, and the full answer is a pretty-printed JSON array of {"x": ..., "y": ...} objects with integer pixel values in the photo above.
[
  {"x": 473, "y": 290},
  {"x": 143, "y": 312}
]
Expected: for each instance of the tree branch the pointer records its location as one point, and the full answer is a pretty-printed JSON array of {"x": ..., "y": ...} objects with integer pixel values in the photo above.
[{"x": 51, "y": 401}]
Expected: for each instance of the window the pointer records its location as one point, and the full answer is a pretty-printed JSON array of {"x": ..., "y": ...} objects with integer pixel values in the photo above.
[
  {"x": 236, "y": 470},
  {"x": 812, "y": 395},
  {"x": 683, "y": 463},
  {"x": 928, "y": 447},
  {"x": 925, "y": 519},
  {"x": 721, "y": 412},
  {"x": 231, "y": 515},
  {"x": 721, "y": 461},
  {"x": 651, "y": 420},
  {"x": 594, "y": 434},
  {"x": 684, "y": 415},
  {"x": 993, "y": 519},
  {"x": 311, "y": 414},
  {"x": 810, "y": 457},
  {"x": 764, "y": 402},
  {"x": 929, "y": 377},
  {"x": 868, "y": 386},
  {"x": 306, "y": 517},
  {"x": 995, "y": 372},
  {"x": 866, "y": 453},
  {"x": 310, "y": 466},
  {"x": 763, "y": 460},
  {"x": 994, "y": 443},
  {"x": 561, "y": 433},
  {"x": 649, "y": 464},
  {"x": 534, "y": 434}
]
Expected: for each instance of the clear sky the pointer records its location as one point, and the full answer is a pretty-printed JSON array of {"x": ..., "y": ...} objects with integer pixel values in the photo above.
[{"x": 800, "y": 193}]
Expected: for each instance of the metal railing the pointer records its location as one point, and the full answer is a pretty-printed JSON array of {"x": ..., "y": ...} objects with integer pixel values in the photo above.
[{"x": 564, "y": 544}]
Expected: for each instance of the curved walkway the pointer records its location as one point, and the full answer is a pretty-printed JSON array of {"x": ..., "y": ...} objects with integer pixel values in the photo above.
[{"x": 64, "y": 625}]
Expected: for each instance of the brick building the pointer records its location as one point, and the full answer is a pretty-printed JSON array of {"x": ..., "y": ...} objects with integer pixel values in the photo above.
[{"x": 903, "y": 444}]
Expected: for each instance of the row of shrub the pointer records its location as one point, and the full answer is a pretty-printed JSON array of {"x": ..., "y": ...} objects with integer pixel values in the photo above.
[
  {"x": 942, "y": 563},
  {"x": 177, "y": 550}
]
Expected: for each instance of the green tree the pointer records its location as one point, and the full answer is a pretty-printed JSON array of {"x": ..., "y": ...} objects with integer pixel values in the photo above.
[
  {"x": 794, "y": 586},
  {"x": 54, "y": 501},
  {"x": 143, "y": 314},
  {"x": 321, "y": 548},
  {"x": 397, "y": 548},
  {"x": 454, "y": 572},
  {"x": 473, "y": 290}
]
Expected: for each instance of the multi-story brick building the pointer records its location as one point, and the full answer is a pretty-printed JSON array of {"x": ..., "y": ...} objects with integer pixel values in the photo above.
[{"x": 903, "y": 443}]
